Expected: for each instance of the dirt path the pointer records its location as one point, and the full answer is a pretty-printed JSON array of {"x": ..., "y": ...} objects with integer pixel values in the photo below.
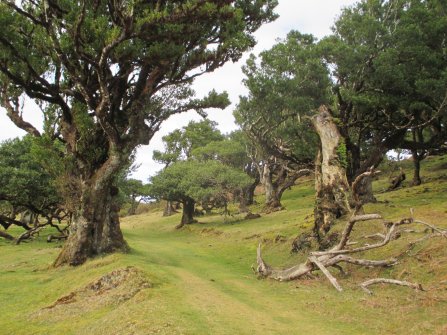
[{"x": 225, "y": 300}]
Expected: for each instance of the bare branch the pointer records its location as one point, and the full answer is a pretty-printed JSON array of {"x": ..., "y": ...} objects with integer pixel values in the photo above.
[
  {"x": 331, "y": 258},
  {"x": 14, "y": 113},
  {"x": 443, "y": 233},
  {"x": 326, "y": 272},
  {"x": 364, "y": 285}
]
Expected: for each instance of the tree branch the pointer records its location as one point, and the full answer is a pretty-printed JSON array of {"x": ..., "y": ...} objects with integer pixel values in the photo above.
[{"x": 364, "y": 285}]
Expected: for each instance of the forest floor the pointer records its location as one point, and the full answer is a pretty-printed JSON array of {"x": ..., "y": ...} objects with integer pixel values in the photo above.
[{"x": 199, "y": 280}]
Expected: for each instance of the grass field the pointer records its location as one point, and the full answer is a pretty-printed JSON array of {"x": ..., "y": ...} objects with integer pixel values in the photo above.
[{"x": 199, "y": 280}]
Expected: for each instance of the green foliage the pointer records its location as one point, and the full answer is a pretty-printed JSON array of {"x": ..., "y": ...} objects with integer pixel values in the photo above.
[
  {"x": 199, "y": 134},
  {"x": 342, "y": 154},
  {"x": 25, "y": 184},
  {"x": 228, "y": 151},
  {"x": 285, "y": 86},
  {"x": 389, "y": 70},
  {"x": 180, "y": 143},
  {"x": 197, "y": 180},
  {"x": 106, "y": 74},
  {"x": 133, "y": 189}
]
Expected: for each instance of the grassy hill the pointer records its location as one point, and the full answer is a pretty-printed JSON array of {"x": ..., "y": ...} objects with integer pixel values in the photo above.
[{"x": 199, "y": 280}]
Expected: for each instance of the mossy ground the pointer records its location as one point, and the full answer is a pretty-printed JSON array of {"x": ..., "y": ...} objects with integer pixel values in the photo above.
[{"x": 202, "y": 282}]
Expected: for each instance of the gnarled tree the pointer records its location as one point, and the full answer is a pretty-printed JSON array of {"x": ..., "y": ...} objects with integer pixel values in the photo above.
[
  {"x": 331, "y": 185},
  {"x": 285, "y": 85},
  {"x": 388, "y": 64},
  {"x": 110, "y": 72}
]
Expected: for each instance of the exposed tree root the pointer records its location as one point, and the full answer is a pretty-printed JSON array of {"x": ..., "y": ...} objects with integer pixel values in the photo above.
[{"x": 322, "y": 260}]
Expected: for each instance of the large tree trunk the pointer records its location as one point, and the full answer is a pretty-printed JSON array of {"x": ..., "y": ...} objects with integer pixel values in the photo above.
[
  {"x": 354, "y": 159},
  {"x": 247, "y": 195},
  {"x": 272, "y": 197},
  {"x": 249, "y": 192},
  {"x": 188, "y": 213},
  {"x": 331, "y": 185},
  {"x": 417, "y": 168},
  {"x": 95, "y": 228}
]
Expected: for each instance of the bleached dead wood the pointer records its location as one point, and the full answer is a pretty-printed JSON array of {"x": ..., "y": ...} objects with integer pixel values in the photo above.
[
  {"x": 443, "y": 233},
  {"x": 326, "y": 272},
  {"x": 323, "y": 260},
  {"x": 374, "y": 281}
]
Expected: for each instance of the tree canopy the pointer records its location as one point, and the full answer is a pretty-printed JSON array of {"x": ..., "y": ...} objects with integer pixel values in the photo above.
[
  {"x": 26, "y": 186},
  {"x": 388, "y": 64},
  {"x": 108, "y": 73},
  {"x": 180, "y": 143},
  {"x": 191, "y": 181}
]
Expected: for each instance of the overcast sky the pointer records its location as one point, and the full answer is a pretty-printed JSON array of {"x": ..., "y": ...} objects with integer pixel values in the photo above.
[{"x": 307, "y": 16}]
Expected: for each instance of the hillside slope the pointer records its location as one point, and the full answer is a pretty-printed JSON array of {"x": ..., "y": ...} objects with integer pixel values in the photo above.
[{"x": 199, "y": 280}]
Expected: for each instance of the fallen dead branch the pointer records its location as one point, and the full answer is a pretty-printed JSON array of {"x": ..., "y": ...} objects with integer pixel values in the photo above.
[
  {"x": 323, "y": 260},
  {"x": 374, "y": 281}
]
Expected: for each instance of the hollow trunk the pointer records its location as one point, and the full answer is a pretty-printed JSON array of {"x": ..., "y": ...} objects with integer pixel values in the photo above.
[
  {"x": 330, "y": 176},
  {"x": 95, "y": 228}
]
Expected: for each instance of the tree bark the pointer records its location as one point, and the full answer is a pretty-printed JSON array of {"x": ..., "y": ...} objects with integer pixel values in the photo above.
[
  {"x": 330, "y": 176},
  {"x": 364, "y": 190},
  {"x": 188, "y": 213},
  {"x": 169, "y": 209},
  {"x": 417, "y": 168},
  {"x": 5, "y": 235},
  {"x": 247, "y": 195},
  {"x": 249, "y": 192},
  {"x": 95, "y": 228},
  {"x": 271, "y": 199}
]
